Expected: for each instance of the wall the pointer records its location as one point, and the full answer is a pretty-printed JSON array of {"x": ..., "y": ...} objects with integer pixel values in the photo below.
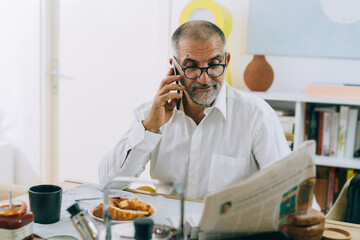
[
  {"x": 291, "y": 73},
  {"x": 20, "y": 85},
  {"x": 115, "y": 53}
]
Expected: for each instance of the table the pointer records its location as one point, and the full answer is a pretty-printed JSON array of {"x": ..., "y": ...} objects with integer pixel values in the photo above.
[
  {"x": 169, "y": 206},
  {"x": 354, "y": 229}
]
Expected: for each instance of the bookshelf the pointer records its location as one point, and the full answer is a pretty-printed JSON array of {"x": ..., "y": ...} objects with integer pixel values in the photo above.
[{"x": 297, "y": 102}]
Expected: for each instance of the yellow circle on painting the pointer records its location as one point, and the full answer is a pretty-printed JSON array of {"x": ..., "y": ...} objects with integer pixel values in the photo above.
[{"x": 222, "y": 16}]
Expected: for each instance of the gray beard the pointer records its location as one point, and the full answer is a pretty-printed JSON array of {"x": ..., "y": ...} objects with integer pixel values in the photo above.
[{"x": 204, "y": 99}]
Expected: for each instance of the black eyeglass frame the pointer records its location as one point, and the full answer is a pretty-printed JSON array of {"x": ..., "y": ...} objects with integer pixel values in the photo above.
[{"x": 202, "y": 69}]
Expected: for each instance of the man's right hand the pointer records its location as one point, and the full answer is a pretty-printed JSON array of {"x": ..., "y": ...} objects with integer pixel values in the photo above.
[{"x": 164, "y": 102}]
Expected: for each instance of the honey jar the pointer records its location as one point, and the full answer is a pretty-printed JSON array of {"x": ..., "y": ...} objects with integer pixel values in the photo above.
[{"x": 16, "y": 223}]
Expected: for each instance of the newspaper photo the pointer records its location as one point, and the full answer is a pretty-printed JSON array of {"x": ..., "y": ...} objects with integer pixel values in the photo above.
[{"x": 262, "y": 202}]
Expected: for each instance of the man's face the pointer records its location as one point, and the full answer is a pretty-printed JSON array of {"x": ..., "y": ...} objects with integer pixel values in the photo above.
[{"x": 192, "y": 53}]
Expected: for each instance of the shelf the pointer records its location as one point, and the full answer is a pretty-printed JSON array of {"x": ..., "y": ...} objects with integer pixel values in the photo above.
[
  {"x": 353, "y": 163},
  {"x": 300, "y": 97},
  {"x": 297, "y": 102}
]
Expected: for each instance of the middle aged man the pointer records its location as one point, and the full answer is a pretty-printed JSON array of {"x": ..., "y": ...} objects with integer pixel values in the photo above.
[{"x": 218, "y": 136}]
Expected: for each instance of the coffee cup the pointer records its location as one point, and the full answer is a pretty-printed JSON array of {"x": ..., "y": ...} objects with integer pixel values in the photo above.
[{"x": 45, "y": 203}]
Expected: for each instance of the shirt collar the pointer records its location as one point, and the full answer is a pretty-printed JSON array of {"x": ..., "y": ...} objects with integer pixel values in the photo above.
[{"x": 220, "y": 101}]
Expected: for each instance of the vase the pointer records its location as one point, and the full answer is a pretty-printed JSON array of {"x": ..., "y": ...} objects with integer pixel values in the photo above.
[{"x": 258, "y": 75}]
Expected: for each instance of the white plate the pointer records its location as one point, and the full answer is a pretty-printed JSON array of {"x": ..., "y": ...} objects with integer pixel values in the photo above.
[{"x": 90, "y": 211}]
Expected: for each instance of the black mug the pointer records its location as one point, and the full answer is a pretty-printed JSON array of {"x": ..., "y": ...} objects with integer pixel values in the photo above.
[{"x": 45, "y": 203}]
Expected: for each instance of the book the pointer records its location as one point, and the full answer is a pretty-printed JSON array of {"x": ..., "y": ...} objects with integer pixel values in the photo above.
[
  {"x": 313, "y": 126},
  {"x": 351, "y": 133},
  {"x": 308, "y": 109},
  {"x": 321, "y": 189},
  {"x": 320, "y": 133},
  {"x": 329, "y": 183},
  {"x": 342, "y": 131},
  {"x": 331, "y": 188},
  {"x": 357, "y": 140},
  {"x": 322, "y": 186},
  {"x": 334, "y": 133},
  {"x": 339, "y": 182},
  {"x": 326, "y": 135}
]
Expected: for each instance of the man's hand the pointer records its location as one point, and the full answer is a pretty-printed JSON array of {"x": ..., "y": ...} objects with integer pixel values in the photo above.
[
  {"x": 306, "y": 227},
  {"x": 164, "y": 102}
]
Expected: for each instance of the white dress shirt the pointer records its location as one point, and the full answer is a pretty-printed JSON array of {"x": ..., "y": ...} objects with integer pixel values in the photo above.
[{"x": 239, "y": 134}]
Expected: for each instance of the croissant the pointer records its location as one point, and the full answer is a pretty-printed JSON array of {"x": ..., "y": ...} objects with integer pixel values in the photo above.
[
  {"x": 134, "y": 204},
  {"x": 122, "y": 209}
]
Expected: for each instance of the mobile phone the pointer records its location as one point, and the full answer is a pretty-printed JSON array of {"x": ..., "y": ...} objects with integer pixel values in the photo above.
[{"x": 178, "y": 101}]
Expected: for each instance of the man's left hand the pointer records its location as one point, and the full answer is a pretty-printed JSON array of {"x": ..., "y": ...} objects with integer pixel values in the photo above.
[{"x": 307, "y": 226}]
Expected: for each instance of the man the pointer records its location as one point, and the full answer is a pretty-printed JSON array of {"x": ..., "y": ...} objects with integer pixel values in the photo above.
[{"x": 218, "y": 136}]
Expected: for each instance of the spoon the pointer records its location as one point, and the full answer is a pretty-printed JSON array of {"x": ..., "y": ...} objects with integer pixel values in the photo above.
[{"x": 10, "y": 199}]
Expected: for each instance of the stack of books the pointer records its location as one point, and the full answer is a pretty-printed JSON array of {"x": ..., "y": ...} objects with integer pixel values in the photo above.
[
  {"x": 336, "y": 130},
  {"x": 329, "y": 183}
]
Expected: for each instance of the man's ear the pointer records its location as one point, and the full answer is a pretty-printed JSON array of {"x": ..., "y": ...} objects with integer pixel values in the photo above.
[{"x": 228, "y": 56}]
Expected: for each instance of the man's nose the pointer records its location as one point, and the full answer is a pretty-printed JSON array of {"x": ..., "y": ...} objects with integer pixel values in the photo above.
[{"x": 204, "y": 78}]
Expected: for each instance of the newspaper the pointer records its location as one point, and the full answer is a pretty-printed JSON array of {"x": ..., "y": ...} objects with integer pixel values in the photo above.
[{"x": 262, "y": 202}]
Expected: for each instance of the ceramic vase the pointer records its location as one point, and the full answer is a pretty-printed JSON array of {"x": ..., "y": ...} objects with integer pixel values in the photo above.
[{"x": 258, "y": 75}]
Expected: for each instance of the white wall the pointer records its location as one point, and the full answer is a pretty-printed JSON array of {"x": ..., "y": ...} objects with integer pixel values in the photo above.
[
  {"x": 20, "y": 85},
  {"x": 117, "y": 53}
]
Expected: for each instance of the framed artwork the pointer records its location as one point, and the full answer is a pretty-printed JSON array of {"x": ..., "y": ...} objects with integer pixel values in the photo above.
[{"x": 318, "y": 28}]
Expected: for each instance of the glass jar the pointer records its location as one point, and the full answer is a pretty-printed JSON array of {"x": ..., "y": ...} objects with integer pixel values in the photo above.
[{"x": 16, "y": 223}]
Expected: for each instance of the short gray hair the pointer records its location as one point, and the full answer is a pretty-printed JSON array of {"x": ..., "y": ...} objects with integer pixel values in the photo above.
[{"x": 199, "y": 30}]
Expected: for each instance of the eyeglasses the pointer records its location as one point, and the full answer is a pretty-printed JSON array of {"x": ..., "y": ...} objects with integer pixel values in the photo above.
[{"x": 193, "y": 73}]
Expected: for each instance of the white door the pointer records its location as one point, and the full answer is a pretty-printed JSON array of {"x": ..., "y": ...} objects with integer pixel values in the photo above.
[{"x": 115, "y": 53}]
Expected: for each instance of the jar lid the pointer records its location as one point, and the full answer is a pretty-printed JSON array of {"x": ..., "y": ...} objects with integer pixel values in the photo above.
[{"x": 18, "y": 209}]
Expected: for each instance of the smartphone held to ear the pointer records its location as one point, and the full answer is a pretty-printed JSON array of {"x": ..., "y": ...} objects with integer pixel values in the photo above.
[{"x": 178, "y": 101}]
